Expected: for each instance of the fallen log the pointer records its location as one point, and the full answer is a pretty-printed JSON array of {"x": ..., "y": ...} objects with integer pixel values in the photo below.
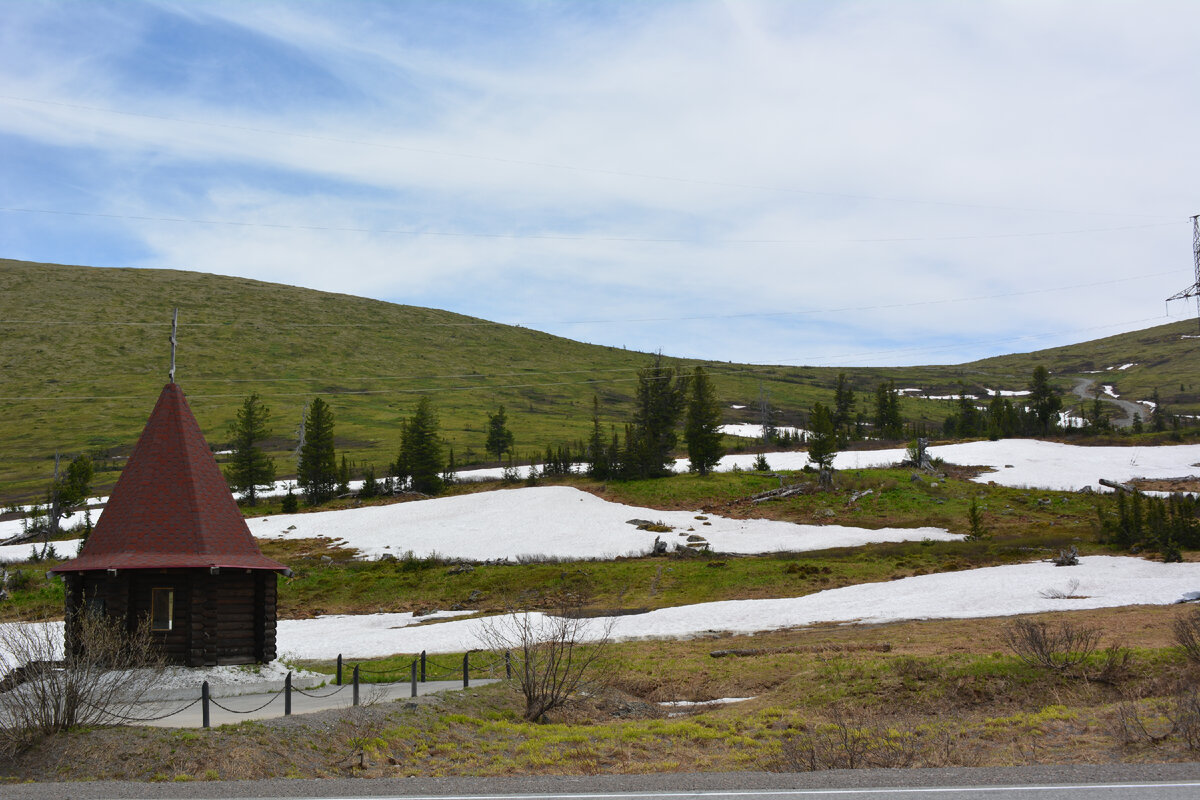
[
  {"x": 775, "y": 494},
  {"x": 1120, "y": 487}
]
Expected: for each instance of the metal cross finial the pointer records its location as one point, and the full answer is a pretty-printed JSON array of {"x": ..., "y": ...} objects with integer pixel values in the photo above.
[{"x": 174, "y": 329}]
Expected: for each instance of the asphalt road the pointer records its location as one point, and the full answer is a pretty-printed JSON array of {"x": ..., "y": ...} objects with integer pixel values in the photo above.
[
  {"x": 1093, "y": 782},
  {"x": 1083, "y": 389}
]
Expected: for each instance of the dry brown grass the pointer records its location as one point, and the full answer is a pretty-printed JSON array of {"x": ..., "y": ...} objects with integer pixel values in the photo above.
[{"x": 946, "y": 693}]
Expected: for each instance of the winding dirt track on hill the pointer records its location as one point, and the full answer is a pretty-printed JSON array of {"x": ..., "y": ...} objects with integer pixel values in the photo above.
[{"x": 1083, "y": 390}]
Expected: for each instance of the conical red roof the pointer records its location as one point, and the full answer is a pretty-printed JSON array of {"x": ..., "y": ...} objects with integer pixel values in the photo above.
[{"x": 171, "y": 508}]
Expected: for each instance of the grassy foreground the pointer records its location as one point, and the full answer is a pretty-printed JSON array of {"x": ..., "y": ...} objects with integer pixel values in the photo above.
[
  {"x": 937, "y": 693},
  {"x": 910, "y": 694}
]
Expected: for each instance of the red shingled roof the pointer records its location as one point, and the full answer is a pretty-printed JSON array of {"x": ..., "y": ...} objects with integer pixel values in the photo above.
[{"x": 171, "y": 507}]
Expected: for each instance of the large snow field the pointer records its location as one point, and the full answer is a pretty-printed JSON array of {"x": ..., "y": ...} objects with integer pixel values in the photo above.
[
  {"x": 1052, "y": 465},
  {"x": 1099, "y": 582},
  {"x": 1103, "y": 582},
  {"x": 1018, "y": 462},
  {"x": 555, "y": 522}
]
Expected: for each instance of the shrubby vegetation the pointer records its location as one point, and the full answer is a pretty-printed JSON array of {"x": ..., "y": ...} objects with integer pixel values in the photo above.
[{"x": 1164, "y": 525}]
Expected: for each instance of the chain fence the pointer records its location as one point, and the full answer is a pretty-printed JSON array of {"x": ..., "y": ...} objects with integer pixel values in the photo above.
[{"x": 420, "y": 669}]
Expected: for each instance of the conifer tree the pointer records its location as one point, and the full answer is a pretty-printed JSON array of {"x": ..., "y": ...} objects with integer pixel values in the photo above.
[
  {"x": 499, "y": 438},
  {"x": 1158, "y": 416},
  {"x": 1044, "y": 401},
  {"x": 370, "y": 487},
  {"x": 843, "y": 406},
  {"x": 318, "y": 471},
  {"x": 421, "y": 449},
  {"x": 888, "y": 422},
  {"x": 249, "y": 467},
  {"x": 69, "y": 490},
  {"x": 969, "y": 422},
  {"x": 701, "y": 429},
  {"x": 343, "y": 483},
  {"x": 289, "y": 504},
  {"x": 660, "y": 399},
  {"x": 822, "y": 440},
  {"x": 597, "y": 449}
]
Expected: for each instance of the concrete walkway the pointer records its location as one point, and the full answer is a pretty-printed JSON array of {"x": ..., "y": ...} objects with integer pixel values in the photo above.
[{"x": 269, "y": 703}]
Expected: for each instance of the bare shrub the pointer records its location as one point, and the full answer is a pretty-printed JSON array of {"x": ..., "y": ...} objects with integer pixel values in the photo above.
[
  {"x": 846, "y": 742},
  {"x": 553, "y": 655},
  {"x": 1113, "y": 666},
  {"x": 1070, "y": 593},
  {"x": 1177, "y": 716},
  {"x": 1061, "y": 647},
  {"x": 47, "y": 691},
  {"x": 1133, "y": 727},
  {"x": 1187, "y": 635},
  {"x": 1185, "y": 717}
]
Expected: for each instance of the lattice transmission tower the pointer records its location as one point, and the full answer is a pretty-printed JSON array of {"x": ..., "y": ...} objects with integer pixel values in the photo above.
[{"x": 1194, "y": 289}]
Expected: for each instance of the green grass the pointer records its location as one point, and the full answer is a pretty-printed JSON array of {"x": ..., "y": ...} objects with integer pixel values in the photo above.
[
  {"x": 84, "y": 384},
  {"x": 907, "y": 706}
]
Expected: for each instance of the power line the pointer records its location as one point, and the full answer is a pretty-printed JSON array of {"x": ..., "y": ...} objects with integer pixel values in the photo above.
[
  {"x": 754, "y": 369},
  {"x": 1027, "y": 337},
  {"x": 598, "y": 321},
  {"x": 558, "y": 166},
  {"x": 578, "y": 238}
]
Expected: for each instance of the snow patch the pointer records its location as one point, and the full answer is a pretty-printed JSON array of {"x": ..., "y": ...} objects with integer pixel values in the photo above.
[
  {"x": 1107, "y": 581},
  {"x": 554, "y": 522},
  {"x": 749, "y": 431}
]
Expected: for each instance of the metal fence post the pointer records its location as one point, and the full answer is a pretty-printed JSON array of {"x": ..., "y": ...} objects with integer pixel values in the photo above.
[
  {"x": 414, "y": 678},
  {"x": 204, "y": 703},
  {"x": 422, "y": 666},
  {"x": 339, "y": 670},
  {"x": 508, "y": 664},
  {"x": 356, "y": 684},
  {"x": 466, "y": 670},
  {"x": 287, "y": 695}
]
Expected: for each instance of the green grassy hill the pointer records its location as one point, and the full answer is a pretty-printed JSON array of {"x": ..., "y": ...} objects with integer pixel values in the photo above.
[{"x": 85, "y": 352}]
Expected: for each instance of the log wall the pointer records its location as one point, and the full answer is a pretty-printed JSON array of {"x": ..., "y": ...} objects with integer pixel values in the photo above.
[{"x": 222, "y": 618}]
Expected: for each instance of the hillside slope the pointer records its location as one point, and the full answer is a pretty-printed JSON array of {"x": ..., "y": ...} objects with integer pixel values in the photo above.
[{"x": 85, "y": 353}]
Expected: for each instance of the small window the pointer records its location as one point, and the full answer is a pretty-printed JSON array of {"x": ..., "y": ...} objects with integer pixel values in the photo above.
[
  {"x": 94, "y": 604},
  {"x": 162, "y": 609}
]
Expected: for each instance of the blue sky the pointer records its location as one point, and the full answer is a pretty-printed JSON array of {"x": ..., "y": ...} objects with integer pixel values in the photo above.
[{"x": 768, "y": 182}]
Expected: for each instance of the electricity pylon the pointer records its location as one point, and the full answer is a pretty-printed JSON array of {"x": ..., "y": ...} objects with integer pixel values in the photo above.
[{"x": 1194, "y": 289}]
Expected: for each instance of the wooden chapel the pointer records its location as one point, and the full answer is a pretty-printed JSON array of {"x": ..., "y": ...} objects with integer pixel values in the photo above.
[{"x": 172, "y": 546}]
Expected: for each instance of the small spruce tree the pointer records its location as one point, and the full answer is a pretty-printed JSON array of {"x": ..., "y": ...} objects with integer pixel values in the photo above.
[
  {"x": 421, "y": 449},
  {"x": 249, "y": 467},
  {"x": 822, "y": 439},
  {"x": 499, "y": 438},
  {"x": 318, "y": 471},
  {"x": 702, "y": 425}
]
